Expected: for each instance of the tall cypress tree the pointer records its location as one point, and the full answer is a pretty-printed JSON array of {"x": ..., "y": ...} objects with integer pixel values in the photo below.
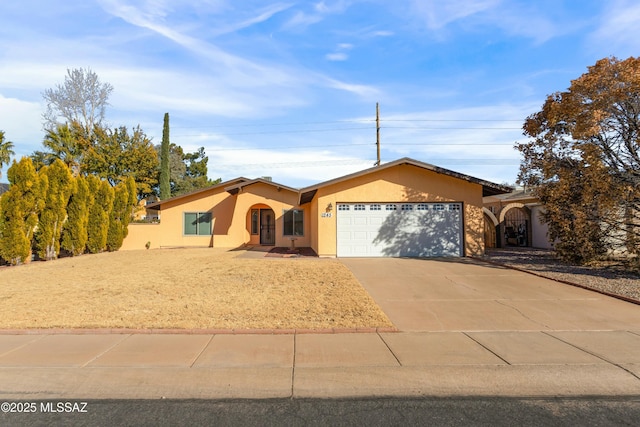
[
  {"x": 20, "y": 208},
  {"x": 74, "y": 233},
  {"x": 99, "y": 213},
  {"x": 54, "y": 212},
  {"x": 165, "y": 179}
]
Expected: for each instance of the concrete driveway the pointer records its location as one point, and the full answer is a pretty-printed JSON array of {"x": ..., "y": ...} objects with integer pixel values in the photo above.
[{"x": 421, "y": 295}]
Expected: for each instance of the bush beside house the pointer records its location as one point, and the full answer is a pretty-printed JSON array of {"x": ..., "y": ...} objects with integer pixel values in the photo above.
[{"x": 50, "y": 210}]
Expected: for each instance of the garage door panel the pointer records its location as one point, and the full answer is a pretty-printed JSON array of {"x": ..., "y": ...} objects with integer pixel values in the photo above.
[{"x": 401, "y": 229}]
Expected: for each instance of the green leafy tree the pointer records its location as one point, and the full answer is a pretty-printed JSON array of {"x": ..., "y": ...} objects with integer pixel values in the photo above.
[
  {"x": 20, "y": 207},
  {"x": 117, "y": 154},
  {"x": 54, "y": 212},
  {"x": 165, "y": 171},
  {"x": 6, "y": 151},
  {"x": 99, "y": 212},
  {"x": 584, "y": 160},
  {"x": 74, "y": 233},
  {"x": 65, "y": 142}
]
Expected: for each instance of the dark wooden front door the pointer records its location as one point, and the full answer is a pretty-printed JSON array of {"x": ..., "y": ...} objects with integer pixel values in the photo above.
[{"x": 267, "y": 227}]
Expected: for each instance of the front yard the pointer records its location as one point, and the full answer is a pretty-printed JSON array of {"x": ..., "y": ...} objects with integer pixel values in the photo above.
[{"x": 184, "y": 288}]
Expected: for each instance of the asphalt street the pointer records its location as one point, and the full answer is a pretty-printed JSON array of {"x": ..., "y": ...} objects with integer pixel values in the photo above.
[{"x": 454, "y": 411}]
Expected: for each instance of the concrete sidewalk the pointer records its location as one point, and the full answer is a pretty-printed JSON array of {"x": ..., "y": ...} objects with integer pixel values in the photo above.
[{"x": 153, "y": 366}]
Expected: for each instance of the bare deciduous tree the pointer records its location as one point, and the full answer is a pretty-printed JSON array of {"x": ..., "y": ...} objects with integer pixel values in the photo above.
[{"x": 81, "y": 98}]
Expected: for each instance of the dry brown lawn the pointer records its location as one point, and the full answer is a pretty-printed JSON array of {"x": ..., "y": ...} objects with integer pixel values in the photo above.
[{"x": 185, "y": 288}]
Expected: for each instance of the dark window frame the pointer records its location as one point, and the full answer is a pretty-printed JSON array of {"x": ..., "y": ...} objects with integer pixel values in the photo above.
[
  {"x": 293, "y": 226},
  {"x": 201, "y": 219}
]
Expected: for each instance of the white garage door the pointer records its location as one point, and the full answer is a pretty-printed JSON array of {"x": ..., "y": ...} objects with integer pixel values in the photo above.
[{"x": 399, "y": 229}]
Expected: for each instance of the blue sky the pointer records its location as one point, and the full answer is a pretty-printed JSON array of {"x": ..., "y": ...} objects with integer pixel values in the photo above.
[{"x": 289, "y": 89}]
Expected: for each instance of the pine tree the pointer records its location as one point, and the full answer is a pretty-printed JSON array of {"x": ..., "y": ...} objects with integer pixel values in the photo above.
[
  {"x": 20, "y": 207},
  {"x": 98, "y": 225},
  {"x": 74, "y": 233},
  {"x": 165, "y": 178}
]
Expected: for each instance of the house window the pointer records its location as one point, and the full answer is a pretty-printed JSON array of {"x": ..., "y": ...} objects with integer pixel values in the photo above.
[
  {"x": 255, "y": 221},
  {"x": 422, "y": 207},
  {"x": 293, "y": 222},
  {"x": 358, "y": 207},
  {"x": 438, "y": 207},
  {"x": 391, "y": 207},
  {"x": 407, "y": 207},
  {"x": 343, "y": 207},
  {"x": 375, "y": 207},
  {"x": 453, "y": 207},
  {"x": 197, "y": 223}
]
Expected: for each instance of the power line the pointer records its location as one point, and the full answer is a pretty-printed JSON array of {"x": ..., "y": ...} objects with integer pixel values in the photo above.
[
  {"x": 423, "y": 144},
  {"x": 282, "y": 131},
  {"x": 218, "y": 125},
  {"x": 448, "y": 128},
  {"x": 336, "y": 162},
  {"x": 273, "y": 124},
  {"x": 310, "y": 131}
]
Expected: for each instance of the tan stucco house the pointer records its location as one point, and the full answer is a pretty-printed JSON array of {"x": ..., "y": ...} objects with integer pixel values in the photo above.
[{"x": 402, "y": 208}]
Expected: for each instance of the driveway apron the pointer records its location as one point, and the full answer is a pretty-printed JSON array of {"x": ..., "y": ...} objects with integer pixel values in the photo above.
[{"x": 422, "y": 295}]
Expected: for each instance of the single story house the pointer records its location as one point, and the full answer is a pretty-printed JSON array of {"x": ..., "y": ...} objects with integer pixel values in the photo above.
[{"x": 401, "y": 208}]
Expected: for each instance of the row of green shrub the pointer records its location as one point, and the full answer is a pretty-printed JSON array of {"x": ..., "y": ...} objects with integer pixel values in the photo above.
[{"x": 50, "y": 210}]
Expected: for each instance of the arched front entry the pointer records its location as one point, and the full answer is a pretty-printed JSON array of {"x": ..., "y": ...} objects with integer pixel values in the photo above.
[
  {"x": 490, "y": 229},
  {"x": 515, "y": 224},
  {"x": 261, "y": 224}
]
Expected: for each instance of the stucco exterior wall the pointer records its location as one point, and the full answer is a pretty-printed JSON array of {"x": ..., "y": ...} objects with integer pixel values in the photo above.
[
  {"x": 231, "y": 216},
  {"x": 539, "y": 230},
  {"x": 138, "y": 236},
  {"x": 401, "y": 183}
]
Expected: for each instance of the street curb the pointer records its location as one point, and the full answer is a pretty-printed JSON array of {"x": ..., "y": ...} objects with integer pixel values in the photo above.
[
  {"x": 565, "y": 282},
  {"x": 167, "y": 331}
]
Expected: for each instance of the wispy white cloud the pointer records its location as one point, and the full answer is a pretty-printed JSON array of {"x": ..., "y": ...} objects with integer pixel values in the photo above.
[
  {"x": 337, "y": 56},
  {"x": 317, "y": 13},
  {"x": 524, "y": 19},
  {"x": 301, "y": 20},
  {"x": 364, "y": 91},
  {"x": 381, "y": 33},
  {"x": 618, "y": 29},
  {"x": 236, "y": 71},
  {"x": 340, "y": 53},
  {"x": 438, "y": 14},
  {"x": 263, "y": 15}
]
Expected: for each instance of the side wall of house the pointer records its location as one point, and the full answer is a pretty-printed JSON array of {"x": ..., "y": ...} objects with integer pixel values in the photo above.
[
  {"x": 539, "y": 230},
  {"x": 139, "y": 234},
  {"x": 398, "y": 184}
]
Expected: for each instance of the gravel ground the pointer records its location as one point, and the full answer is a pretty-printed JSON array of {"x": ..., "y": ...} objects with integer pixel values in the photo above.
[{"x": 609, "y": 277}]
